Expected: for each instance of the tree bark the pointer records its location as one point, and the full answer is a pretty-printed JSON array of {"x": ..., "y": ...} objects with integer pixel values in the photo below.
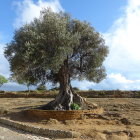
[
  {"x": 66, "y": 95},
  {"x": 28, "y": 89}
]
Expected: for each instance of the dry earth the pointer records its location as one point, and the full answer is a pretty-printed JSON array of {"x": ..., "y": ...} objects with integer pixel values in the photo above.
[{"x": 120, "y": 120}]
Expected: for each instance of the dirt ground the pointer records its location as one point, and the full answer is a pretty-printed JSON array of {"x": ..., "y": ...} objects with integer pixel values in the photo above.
[{"x": 120, "y": 120}]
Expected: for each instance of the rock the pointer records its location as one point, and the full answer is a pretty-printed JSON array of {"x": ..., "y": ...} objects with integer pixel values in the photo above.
[
  {"x": 93, "y": 105},
  {"x": 107, "y": 131},
  {"x": 122, "y": 133},
  {"x": 116, "y": 137},
  {"x": 70, "y": 122},
  {"x": 52, "y": 121},
  {"x": 82, "y": 117},
  {"x": 98, "y": 135},
  {"x": 2, "y": 111},
  {"x": 125, "y": 121},
  {"x": 43, "y": 121},
  {"x": 76, "y": 134}
]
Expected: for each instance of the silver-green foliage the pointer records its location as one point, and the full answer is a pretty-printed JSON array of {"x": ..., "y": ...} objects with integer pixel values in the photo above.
[
  {"x": 3, "y": 80},
  {"x": 52, "y": 40},
  {"x": 17, "y": 79}
]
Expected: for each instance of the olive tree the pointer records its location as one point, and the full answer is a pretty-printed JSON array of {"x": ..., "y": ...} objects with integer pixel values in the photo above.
[
  {"x": 59, "y": 50},
  {"x": 16, "y": 79}
]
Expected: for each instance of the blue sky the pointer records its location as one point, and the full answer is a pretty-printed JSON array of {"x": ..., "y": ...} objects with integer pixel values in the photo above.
[{"x": 117, "y": 20}]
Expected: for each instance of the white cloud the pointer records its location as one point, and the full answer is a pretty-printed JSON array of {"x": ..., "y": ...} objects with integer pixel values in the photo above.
[
  {"x": 123, "y": 41},
  {"x": 27, "y": 10},
  {"x": 117, "y": 78}
]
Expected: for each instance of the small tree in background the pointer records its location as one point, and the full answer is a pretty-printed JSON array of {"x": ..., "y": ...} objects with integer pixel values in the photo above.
[
  {"x": 27, "y": 83},
  {"x": 18, "y": 80},
  {"x": 3, "y": 80}
]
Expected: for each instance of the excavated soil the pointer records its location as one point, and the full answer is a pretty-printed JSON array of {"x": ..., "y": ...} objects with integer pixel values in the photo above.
[{"x": 120, "y": 120}]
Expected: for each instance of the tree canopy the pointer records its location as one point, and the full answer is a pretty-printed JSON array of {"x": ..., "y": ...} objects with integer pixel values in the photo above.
[
  {"x": 53, "y": 40},
  {"x": 3, "y": 80},
  {"x": 15, "y": 78}
]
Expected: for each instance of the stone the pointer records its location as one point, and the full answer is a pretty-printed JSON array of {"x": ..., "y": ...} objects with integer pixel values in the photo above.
[
  {"x": 76, "y": 134},
  {"x": 70, "y": 122},
  {"x": 107, "y": 131},
  {"x": 52, "y": 121},
  {"x": 125, "y": 121},
  {"x": 43, "y": 121},
  {"x": 93, "y": 105},
  {"x": 82, "y": 117},
  {"x": 98, "y": 136},
  {"x": 116, "y": 137},
  {"x": 3, "y": 111}
]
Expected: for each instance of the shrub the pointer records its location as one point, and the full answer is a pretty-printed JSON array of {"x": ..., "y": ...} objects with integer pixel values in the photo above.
[
  {"x": 90, "y": 89},
  {"x": 76, "y": 88},
  {"x": 75, "y": 106},
  {"x": 57, "y": 88},
  {"x": 39, "y": 90},
  {"x": 101, "y": 93},
  {"x": 41, "y": 87}
]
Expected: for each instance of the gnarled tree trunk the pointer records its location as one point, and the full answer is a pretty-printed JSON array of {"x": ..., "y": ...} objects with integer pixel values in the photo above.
[{"x": 66, "y": 95}]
